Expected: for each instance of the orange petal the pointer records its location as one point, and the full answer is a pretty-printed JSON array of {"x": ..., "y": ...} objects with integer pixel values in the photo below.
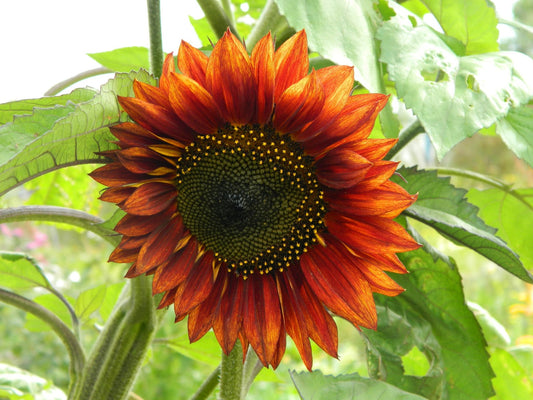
[
  {"x": 196, "y": 286},
  {"x": 120, "y": 255},
  {"x": 370, "y": 234},
  {"x": 130, "y": 134},
  {"x": 342, "y": 168},
  {"x": 337, "y": 82},
  {"x": 150, "y": 94},
  {"x": 262, "y": 316},
  {"x": 160, "y": 245},
  {"x": 227, "y": 320},
  {"x": 155, "y": 118},
  {"x": 168, "y": 69},
  {"x": 116, "y": 194},
  {"x": 192, "y": 62},
  {"x": 172, "y": 274},
  {"x": 372, "y": 149},
  {"x": 150, "y": 199},
  {"x": 263, "y": 64},
  {"x": 194, "y": 104},
  {"x": 140, "y": 160},
  {"x": 379, "y": 281},
  {"x": 291, "y": 62},
  {"x": 299, "y": 104},
  {"x": 230, "y": 79}
]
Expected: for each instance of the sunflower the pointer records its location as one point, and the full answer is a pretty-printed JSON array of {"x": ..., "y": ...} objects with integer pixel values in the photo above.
[{"x": 254, "y": 197}]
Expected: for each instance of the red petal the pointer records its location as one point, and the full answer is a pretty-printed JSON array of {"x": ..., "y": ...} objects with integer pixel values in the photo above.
[
  {"x": 130, "y": 134},
  {"x": 150, "y": 199},
  {"x": 120, "y": 255},
  {"x": 194, "y": 104},
  {"x": 196, "y": 286},
  {"x": 299, "y": 104},
  {"x": 168, "y": 69},
  {"x": 150, "y": 94},
  {"x": 263, "y": 63},
  {"x": 373, "y": 149},
  {"x": 230, "y": 79},
  {"x": 192, "y": 62},
  {"x": 116, "y": 194},
  {"x": 160, "y": 245},
  {"x": 342, "y": 168},
  {"x": 141, "y": 160},
  {"x": 135, "y": 225},
  {"x": 291, "y": 62},
  {"x": 227, "y": 320},
  {"x": 377, "y": 175},
  {"x": 115, "y": 174}
]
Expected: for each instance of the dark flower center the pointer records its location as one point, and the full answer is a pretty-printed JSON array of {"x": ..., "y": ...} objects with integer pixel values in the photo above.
[{"x": 250, "y": 195}]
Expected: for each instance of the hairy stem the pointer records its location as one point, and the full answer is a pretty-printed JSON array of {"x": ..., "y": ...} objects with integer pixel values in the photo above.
[
  {"x": 74, "y": 349},
  {"x": 231, "y": 374},
  {"x": 58, "y": 87},
  {"x": 405, "y": 137},
  {"x": 208, "y": 386},
  {"x": 156, "y": 41},
  {"x": 269, "y": 18},
  {"x": 217, "y": 18}
]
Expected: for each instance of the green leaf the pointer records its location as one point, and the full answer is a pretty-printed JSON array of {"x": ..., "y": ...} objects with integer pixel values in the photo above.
[
  {"x": 473, "y": 22},
  {"x": 316, "y": 386},
  {"x": 112, "y": 294},
  {"x": 432, "y": 315},
  {"x": 125, "y": 59},
  {"x": 17, "y": 384},
  {"x": 19, "y": 271},
  {"x": 516, "y": 130},
  {"x": 443, "y": 207},
  {"x": 206, "y": 350},
  {"x": 511, "y": 215},
  {"x": 21, "y": 107},
  {"x": 453, "y": 96},
  {"x": 511, "y": 382},
  {"x": 341, "y": 31},
  {"x": 73, "y": 139},
  {"x": 494, "y": 332},
  {"x": 54, "y": 304},
  {"x": 89, "y": 302},
  {"x": 203, "y": 30}
]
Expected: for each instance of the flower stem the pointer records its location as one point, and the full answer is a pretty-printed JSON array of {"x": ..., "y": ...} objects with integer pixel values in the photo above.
[
  {"x": 58, "y": 87},
  {"x": 61, "y": 215},
  {"x": 156, "y": 41},
  {"x": 231, "y": 374},
  {"x": 208, "y": 386},
  {"x": 405, "y": 137},
  {"x": 269, "y": 18},
  {"x": 217, "y": 18},
  {"x": 75, "y": 351}
]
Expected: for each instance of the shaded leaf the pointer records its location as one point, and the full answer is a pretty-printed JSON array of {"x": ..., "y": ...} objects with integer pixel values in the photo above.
[
  {"x": 19, "y": 271},
  {"x": 89, "y": 302},
  {"x": 125, "y": 59},
  {"x": 453, "y": 96},
  {"x": 22, "y": 107},
  {"x": 18, "y": 384},
  {"x": 516, "y": 130},
  {"x": 73, "y": 139},
  {"x": 473, "y": 22},
  {"x": 316, "y": 386}
]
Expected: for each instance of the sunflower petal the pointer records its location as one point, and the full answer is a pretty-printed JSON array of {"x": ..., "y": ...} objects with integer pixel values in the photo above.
[
  {"x": 291, "y": 62},
  {"x": 192, "y": 62},
  {"x": 150, "y": 199},
  {"x": 342, "y": 168},
  {"x": 263, "y": 65}
]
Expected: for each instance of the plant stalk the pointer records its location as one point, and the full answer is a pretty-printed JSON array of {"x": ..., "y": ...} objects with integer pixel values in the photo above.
[
  {"x": 58, "y": 87},
  {"x": 217, "y": 17},
  {"x": 269, "y": 18},
  {"x": 156, "y": 41},
  {"x": 405, "y": 137},
  {"x": 231, "y": 374},
  {"x": 208, "y": 386}
]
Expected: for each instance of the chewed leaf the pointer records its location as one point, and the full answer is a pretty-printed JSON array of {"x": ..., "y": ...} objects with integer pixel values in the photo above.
[{"x": 73, "y": 139}]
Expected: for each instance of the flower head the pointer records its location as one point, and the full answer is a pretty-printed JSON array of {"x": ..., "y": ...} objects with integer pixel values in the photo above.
[{"x": 255, "y": 198}]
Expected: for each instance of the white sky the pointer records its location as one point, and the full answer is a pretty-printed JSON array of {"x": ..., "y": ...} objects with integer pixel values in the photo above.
[{"x": 43, "y": 42}]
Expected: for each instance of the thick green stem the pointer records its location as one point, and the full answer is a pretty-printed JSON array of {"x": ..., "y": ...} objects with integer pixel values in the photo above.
[
  {"x": 231, "y": 374},
  {"x": 58, "y": 87},
  {"x": 217, "y": 18},
  {"x": 156, "y": 41},
  {"x": 268, "y": 20},
  {"x": 61, "y": 215},
  {"x": 226, "y": 5},
  {"x": 405, "y": 137},
  {"x": 74, "y": 349},
  {"x": 208, "y": 386}
]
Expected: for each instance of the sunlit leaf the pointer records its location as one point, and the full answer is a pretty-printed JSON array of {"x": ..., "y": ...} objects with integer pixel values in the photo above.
[
  {"x": 22, "y": 107},
  {"x": 453, "y": 96},
  {"x": 55, "y": 305},
  {"x": 17, "y": 384},
  {"x": 73, "y": 139},
  {"x": 317, "y": 386},
  {"x": 473, "y": 22},
  {"x": 516, "y": 130},
  {"x": 19, "y": 271},
  {"x": 444, "y": 208},
  {"x": 125, "y": 59},
  {"x": 494, "y": 332},
  {"x": 206, "y": 350},
  {"x": 89, "y": 302},
  {"x": 511, "y": 382}
]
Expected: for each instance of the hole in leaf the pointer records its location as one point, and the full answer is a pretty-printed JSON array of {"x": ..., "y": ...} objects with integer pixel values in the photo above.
[
  {"x": 413, "y": 21},
  {"x": 472, "y": 83},
  {"x": 415, "y": 363}
]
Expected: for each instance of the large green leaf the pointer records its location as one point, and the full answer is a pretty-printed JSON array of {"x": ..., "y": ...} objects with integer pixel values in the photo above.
[
  {"x": 473, "y": 22},
  {"x": 512, "y": 215},
  {"x": 432, "y": 315},
  {"x": 125, "y": 59},
  {"x": 516, "y": 130},
  {"x": 21, "y": 107},
  {"x": 342, "y": 31},
  {"x": 511, "y": 382},
  {"x": 443, "y": 207},
  {"x": 317, "y": 386},
  {"x": 73, "y": 139},
  {"x": 17, "y": 384},
  {"x": 18, "y": 271},
  {"x": 453, "y": 96}
]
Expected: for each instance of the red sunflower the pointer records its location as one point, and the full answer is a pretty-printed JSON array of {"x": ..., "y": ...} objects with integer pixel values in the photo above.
[{"x": 255, "y": 198}]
